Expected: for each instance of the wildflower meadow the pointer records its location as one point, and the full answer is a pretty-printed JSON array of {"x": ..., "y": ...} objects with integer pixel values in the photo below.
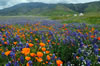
[{"x": 49, "y": 44}]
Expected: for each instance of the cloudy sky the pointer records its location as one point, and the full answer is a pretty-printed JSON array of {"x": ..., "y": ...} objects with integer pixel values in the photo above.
[{"x": 9, "y": 3}]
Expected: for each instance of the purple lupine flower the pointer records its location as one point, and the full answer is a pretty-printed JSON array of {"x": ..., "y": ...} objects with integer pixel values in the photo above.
[
  {"x": 8, "y": 42},
  {"x": 88, "y": 62},
  {"x": 30, "y": 63},
  {"x": 2, "y": 42},
  {"x": 8, "y": 64},
  {"x": 81, "y": 35},
  {"x": 16, "y": 63},
  {"x": 96, "y": 51},
  {"x": 16, "y": 48},
  {"x": 68, "y": 63},
  {"x": 94, "y": 40},
  {"x": 80, "y": 40},
  {"x": 12, "y": 54},
  {"x": 50, "y": 45},
  {"x": 74, "y": 33},
  {"x": 49, "y": 63},
  {"x": 53, "y": 57},
  {"x": 13, "y": 49},
  {"x": 6, "y": 33},
  {"x": 64, "y": 42},
  {"x": 59, "y": 39},
  {"x": 90, "y": 39},
  {"x": 0, "y": 36},
  {"x": 68, "y": 37},
  {"x": 37, "y": 41},
  {"x": 82, "y": 58},
  {"x": 95, "y": 46},
  {"x": 79, "y": 50},
  {"x": 43, "y": 39},
  {"x": 31, "y": 37},
  {"x": 22, "y": 59},
  {"x": 81, "y": 44},
  {"x": 85, "y": 35},
  {"x": 96, "y": 31},
  {"x": 27, "y": 45},
  {"x": 3, "y": 53},
  {"x": 50, "y": 32},
  {"x": 85, "y": 53},
  {"x": 0, "y": 33},
  {"x": 27, "y": 39},
  {"x": 99, "y": 59},
  {"x": 20, "y": 44},
  {"x": 90, "y": 33},
  {"x": 20, "y": 48},
  {"x": 74, "y": 55},
  {"x": 58, "y": 58},
  {"x": 12, "y": 39}
]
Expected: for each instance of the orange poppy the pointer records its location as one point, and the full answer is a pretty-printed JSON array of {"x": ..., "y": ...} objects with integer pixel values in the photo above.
[
  {"x": 7, "y": 53},
  {"x": 31, "y": 32},
  {"x": 36, "y": 39},
  {"x": 77, "y": 57},
  {"x": 18, "y": 59},
  {"x": 92, "y": 36},
  {"x": 4, "y": 36},
  {"x": 3, "y": 39},
  {"x": 59, "y": 62},
  {"x": 98, "y": 38},
  {"x": 32, "y": 54},
  {"x": 43, "y": 49},
  {"x": 48, "y": 41},
  {"x": 39, "y": 59},
  {"x": 27, "y": 64},
  {"x": 30, "y": 40},
  {"x": 14, "y": 43},
  {"x": 99, "y": 49},
  {"x": 31, "y": 45},
  {"x": 50, "y": 54},
  {"x": 27, "y": 58},
  {"x": 25, "y": 51},
  {"x": 5, "y": 43},
  {"x": 46, "y": 61},
  {"x": 53, "y": 42},
  {"x": 65, "y": 29},
  {"x": 55, "y": 57},
  {"x": 42, "y": 44},
  {"x": 48, "y": 57},
  {"x": 0, "y": 44},
  {"x": 58, "y": 43},
  {"x": 0, "y": 49},
  {"x": 39, "y": 54},
  {"x": 92, "y": 29},
  {"x": 47, "y": 52}
]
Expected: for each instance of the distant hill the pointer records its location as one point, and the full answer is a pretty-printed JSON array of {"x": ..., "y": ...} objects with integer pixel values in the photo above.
[{"x": 37, "y": 8}]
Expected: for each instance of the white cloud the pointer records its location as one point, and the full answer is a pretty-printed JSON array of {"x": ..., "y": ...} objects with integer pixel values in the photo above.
[{"x": 9, "y": 3}]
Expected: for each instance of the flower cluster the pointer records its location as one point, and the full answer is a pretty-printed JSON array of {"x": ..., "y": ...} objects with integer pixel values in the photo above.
[{"x": 49, "y": 44}]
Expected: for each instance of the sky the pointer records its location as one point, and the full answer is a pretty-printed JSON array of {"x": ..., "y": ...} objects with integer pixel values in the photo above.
[{"x": 9, "y": 3}]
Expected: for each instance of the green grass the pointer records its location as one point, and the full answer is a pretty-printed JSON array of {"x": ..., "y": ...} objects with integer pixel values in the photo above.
[{"x": 90, "y": 18}]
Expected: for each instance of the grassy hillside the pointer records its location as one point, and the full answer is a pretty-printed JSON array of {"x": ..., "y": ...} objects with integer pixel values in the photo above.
[
  {"x": 93, "y": 7},
  {"x": 88, "y": 18},
  {"x": 38, "y": 9}
]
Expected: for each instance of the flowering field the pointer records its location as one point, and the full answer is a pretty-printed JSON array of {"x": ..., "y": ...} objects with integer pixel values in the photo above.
[{"x": 49, "y": 44}]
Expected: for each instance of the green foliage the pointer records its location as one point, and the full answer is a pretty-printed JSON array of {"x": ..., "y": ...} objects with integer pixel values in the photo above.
[
  {"x": 84, "y": 19},
  {"x": 38, "y": 9}
]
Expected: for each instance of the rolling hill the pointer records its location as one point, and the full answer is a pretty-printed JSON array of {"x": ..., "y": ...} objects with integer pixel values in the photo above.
[{"x": 37, "y": 8}]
